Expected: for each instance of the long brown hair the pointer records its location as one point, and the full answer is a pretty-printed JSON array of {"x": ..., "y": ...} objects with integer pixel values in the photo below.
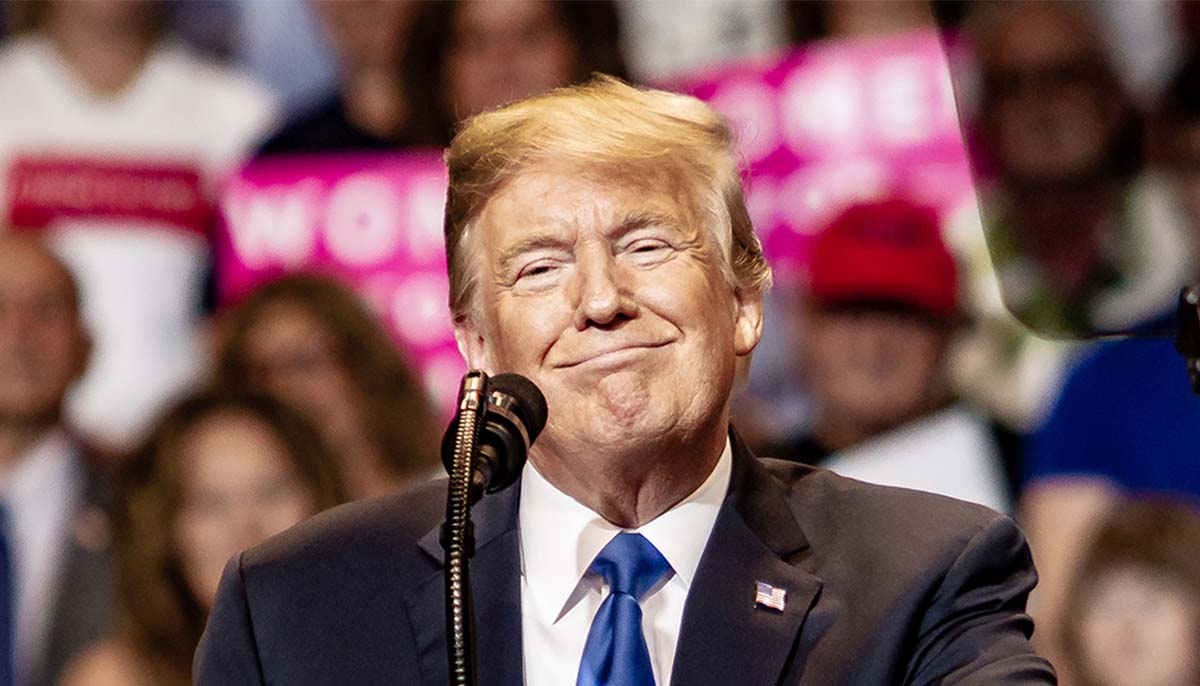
[
  {"x": 399, "y": 418},
  {"x": 593, "y": 27},
  {"x": 1161, "y": 536},
  {"x": 162, "y": 619}
]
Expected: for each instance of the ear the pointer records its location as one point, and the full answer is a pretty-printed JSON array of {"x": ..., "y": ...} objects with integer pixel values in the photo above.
[
  {"x": 472, "y": 345},
  {"x": 748, "y": 320}
]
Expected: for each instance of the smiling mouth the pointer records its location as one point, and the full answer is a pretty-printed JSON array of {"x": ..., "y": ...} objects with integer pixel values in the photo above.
[{"x": 614, "y": 356}]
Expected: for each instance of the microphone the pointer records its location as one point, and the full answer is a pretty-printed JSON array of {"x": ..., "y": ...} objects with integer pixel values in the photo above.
[
  {"x": 514, "y": 416},
  {"x": 484, "y": 450}
]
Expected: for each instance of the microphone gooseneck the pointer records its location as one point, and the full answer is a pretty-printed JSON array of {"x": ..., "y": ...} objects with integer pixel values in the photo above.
[{"x": 484, "y": 450}]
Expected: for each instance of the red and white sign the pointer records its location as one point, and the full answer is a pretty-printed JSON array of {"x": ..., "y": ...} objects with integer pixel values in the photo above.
[{"x": 44, "y": 189}]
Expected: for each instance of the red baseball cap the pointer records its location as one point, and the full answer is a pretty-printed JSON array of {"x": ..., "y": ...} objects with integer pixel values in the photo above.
[{"x": 888, "y": 251}]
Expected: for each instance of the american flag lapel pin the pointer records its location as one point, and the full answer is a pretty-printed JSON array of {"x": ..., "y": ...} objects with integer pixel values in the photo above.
[{"x": 768, "y": 596}]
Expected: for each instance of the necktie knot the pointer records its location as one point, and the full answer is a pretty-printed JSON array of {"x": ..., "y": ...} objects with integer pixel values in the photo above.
[{"x": 631, "y": 565}]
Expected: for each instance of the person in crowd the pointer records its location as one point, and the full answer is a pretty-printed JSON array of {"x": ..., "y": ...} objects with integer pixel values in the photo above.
[
  {"x": 112, "y": 139},
  {"x": 468, "y": 56},
  {"x": 1080, "y": 236},
  {"x": 218, "y": 473},
  {"x": 56, "y": 587},
  {"x": 1071, "y": 218},
  {"x": 1127, "y": 420},
  {"x": 1133, "y": 612},
  {"x": 313, "y": 344},
  {"x": 1177, "y": 141},
  {"x": 878, "y": 316},
  {"x": 598, "y": 244},
  {"x": 368, "y": 111}
]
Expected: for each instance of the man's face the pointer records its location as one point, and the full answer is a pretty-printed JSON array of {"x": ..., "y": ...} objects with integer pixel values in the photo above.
[
  {"x": 42, "y": 347},
  {"x": 872, "y": 367},
  {"x": 613, "y": 301},
  {"x": 1051, "y": 114}
]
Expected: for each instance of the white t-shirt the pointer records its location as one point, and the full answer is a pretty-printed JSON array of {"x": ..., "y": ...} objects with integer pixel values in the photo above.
[
  {"x": 122, "y": 187},
  {"x": 950, "y": 453}
]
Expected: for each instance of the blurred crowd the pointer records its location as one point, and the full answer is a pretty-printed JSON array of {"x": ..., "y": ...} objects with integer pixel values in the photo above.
[{"x": 148, "y": 432}]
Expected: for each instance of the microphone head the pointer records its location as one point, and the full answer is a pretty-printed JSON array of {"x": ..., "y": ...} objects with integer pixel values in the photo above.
[{"x": 527, "y": 402}]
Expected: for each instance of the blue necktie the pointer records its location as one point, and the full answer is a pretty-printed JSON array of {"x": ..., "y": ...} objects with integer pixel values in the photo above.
[
  {"x": 615, "y": 653},
  {"x": 7, "y": 600}
]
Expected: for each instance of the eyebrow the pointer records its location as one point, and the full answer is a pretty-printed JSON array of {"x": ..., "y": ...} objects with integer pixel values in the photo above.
[
  {"x": 640, "y": 219},
  {"x": 637, "y": 219}
]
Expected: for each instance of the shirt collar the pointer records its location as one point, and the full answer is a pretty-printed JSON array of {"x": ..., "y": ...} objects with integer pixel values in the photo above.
[{"x": 560, "y": 536}]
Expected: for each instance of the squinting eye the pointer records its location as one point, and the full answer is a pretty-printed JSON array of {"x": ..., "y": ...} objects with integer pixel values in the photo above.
[
  {"x": 537, "y": 271},
  {"x": 648, "y": 251}
]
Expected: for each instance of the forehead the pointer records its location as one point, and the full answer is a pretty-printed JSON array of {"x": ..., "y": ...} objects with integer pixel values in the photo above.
[
  {"x": 575, "y": 198},
  {"x": 1035, "y": 35}
]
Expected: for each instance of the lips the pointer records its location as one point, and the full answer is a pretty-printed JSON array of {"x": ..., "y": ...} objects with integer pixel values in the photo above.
[{"x": 613, "y": 353}]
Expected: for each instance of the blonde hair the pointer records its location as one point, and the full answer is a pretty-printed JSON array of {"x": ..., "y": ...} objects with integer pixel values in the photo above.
[{"x": 603, "y": 123}]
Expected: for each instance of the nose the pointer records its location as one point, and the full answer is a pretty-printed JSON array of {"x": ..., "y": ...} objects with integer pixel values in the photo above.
[{"x": 603, "y": 292}]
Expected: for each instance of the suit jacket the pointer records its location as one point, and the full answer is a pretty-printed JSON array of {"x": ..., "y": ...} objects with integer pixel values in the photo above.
[
  {"x": 883, "y": 586},
  {"x": 82, "y": 611}
]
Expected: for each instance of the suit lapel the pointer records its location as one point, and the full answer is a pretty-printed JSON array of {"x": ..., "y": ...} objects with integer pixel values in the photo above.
[
  {"x": 496, "y": 591},
  {"x": 726, "y": 638}
]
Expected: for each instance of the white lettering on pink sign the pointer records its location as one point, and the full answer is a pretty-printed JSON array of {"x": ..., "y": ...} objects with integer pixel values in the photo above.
[
  {"x": 373, "y": 221},
  {"x": 837, "y": 122}
]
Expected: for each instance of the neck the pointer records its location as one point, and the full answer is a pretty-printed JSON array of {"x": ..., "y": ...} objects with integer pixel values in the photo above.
[
  {"x": 372, "y": 98},
  {"x": 17, "y": 437},
  {"x": 105, "y": 57},
  {"x": 634, "y": 485}
]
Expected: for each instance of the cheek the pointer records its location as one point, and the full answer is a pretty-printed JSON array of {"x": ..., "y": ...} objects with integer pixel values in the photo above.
[
  {"x": 280, "y": 511},
  {"x": 204, "y": 544},
  {"x": 550, "y": 63},
  {"x": 522, "y": 329}
]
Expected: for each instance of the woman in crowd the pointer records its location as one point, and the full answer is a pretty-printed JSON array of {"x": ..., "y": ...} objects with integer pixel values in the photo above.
[
  {"x": 219, "y": 473},
  {"x": 469, "y": 56},
  {"x": 1133, "y": 615},
  {"x": 313, "y": 344}
]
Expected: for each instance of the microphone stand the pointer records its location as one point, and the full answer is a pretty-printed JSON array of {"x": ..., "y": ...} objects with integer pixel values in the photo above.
[{"x": 458, "y": 538}]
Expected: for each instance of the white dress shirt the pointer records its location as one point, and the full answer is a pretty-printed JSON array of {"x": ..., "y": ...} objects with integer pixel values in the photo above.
[
  {"x": 559, "y": 595},
  {"x": 42, "y": 492}
]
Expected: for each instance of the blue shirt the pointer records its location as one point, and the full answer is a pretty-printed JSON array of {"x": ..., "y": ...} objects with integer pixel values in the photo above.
[{"x": 1127, "y": 412}]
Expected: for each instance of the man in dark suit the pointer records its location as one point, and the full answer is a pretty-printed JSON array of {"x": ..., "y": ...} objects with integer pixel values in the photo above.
[
  {"x": 598, "y": 243},
  {"x": 56, "y": 572}
]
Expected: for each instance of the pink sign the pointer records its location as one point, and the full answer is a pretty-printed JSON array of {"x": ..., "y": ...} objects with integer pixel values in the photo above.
[
  {"x": 832, "y": 123},
  {"x": 375, "y": 221}
]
